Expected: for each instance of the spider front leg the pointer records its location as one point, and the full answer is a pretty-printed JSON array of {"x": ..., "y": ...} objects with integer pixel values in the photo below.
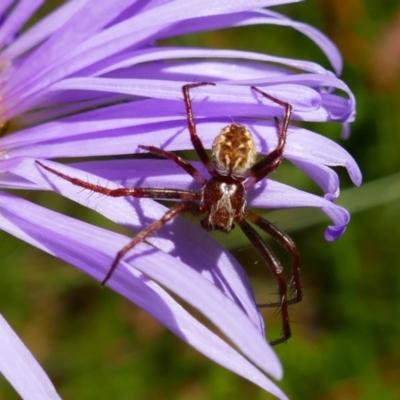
[
  {"x": 272, "y": 160},
  {"x": 197, "y": 143}
]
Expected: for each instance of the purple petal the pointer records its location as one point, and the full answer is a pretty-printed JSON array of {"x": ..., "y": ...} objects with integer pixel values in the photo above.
[
  {"x": 306, "y": 146},
  {"x": 92, "y": 249},
  {"x": 59, "y": 47},
  {"x": 346, "y": 131},
  {"x": 278, "y": 195},
  {"x": 21, "y": 369},
  {"x": 17, "y": 18},
  {"x": 331, "y": 102},
  {"x": 162, "y": 120},
  {"x": 302, "y": 98},
  {"x": 334, "y": 104},
  {"x": 260, "y": 17},
  {"x": 4, "y": 5},
  {"x": 9, "y": 180},
  {"x": 142, "y": 26},
  {"x": 326, "y": 45},
  {"x": 146, "y": 56},
  {"x": 42, "y": 29},
  {"x": 324, "y": 176},
  {"x": 305, "y": 101}
]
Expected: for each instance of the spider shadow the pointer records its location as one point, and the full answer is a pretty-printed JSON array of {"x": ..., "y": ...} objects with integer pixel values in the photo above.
[
  {"x": 201, "y": 245},
  {"x": 180, "y": 129},
  {"x": 158, "y": 304},
  {"x": 264, "y": 148}
]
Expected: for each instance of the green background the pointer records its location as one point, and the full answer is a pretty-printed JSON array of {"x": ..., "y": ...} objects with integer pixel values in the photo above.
[{"x": 95, "y": 345}]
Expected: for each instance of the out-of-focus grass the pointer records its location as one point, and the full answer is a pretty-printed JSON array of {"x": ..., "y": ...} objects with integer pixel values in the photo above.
[{"x": 95, "y": 345}]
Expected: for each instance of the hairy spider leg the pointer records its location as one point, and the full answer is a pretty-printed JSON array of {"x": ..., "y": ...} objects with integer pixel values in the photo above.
[
  {"x": 276, "y": 268},
  {"x": 173, "y": 212},
  {"x": 151, "y": 193},
  {"x": 197, "y": 143},
  {"x": 272, "y": 160},
  {"x": 287, "y": 243}
]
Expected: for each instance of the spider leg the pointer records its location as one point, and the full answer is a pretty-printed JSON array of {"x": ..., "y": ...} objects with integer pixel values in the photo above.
[
  {"x": 275, "y": 266},
  {"x": 272, "y": 160},
  {"x": 152, "y": 193},
  {"x": 192, "y": 171},
  {"x": 155, "y": 226},
  {"x": 286, "y": 242},
  {"x": 197, "y": 143}
]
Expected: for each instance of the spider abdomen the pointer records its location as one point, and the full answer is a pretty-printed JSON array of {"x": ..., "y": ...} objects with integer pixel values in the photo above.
[
  {"x": 223, "y": 198},
  {"x": 234, "y": 151}
]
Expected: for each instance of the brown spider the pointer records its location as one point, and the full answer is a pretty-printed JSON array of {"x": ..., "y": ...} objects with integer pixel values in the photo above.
[{"x": 222, "y": 197}]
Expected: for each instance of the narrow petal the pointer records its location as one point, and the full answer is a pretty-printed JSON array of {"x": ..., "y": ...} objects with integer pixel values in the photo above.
[
  {"x": 324, "y": 176},
  {"x": 146, "y": 56},
  {"x": 4, "y": 5},
  {"x": 304, "y": 145},
  {"x": 300, "y": 97},
  {"x": 325, "y": 44},
  {"x": 17, "y": 18},
  {"x": 42, "y": 29},
  {"x": 165, "y": 89},
  {"x": 21, "y": 369},
  {"x": 260, "y": 17},
  {"x": 59, "y": 47},
  {"x": 279, "y": 195}
]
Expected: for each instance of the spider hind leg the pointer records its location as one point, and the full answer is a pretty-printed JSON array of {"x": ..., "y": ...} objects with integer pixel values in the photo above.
[{"x": 273, "y": 263}]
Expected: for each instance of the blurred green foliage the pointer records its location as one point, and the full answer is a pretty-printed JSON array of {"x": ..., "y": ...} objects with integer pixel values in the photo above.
[{"x": 96, "y": 345}]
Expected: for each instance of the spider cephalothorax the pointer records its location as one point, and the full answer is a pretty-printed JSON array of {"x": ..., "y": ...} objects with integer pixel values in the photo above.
[{"x": 222, "y": 197}]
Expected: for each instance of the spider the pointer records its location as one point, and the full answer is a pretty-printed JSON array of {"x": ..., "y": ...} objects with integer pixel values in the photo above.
[{"x": 222, "y": 197}]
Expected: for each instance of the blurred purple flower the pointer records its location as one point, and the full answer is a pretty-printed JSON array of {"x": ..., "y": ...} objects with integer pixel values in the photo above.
[{"x": 89, "y": 81}]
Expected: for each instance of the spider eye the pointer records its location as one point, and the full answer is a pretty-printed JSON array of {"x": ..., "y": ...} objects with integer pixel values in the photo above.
[{"x": 234, "y": 151}]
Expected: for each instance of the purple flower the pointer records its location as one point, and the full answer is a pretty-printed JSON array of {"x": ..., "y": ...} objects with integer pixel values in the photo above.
[{"x": 89, "y": 82}]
